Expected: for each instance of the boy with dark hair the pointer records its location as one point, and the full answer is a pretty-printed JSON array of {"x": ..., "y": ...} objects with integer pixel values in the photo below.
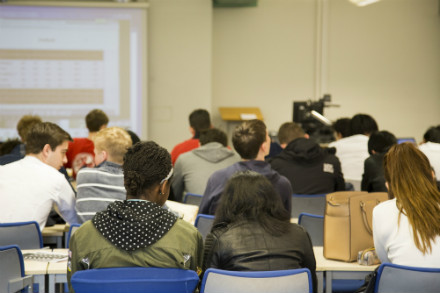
[
  {"x": 32, "y": 185},
  {"x": 353, "y": 150},
  {"x": 309, "y": 168},
  {"x": 252, "y": 142},
  {"x": 373, "y": 179},
  {"x": 193, "y": 169},
  {"x": 341, "y": 128},
  {"x": 18, "y": 151},
  {"x": 199, "y": 120},
  {"x": 80, "y": 151},
  {"x": 431, "y": 148}
]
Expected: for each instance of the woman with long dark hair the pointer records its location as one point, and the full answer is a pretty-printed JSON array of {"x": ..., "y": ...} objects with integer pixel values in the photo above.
[
  {"x": 406, "y": 229},
  {"x": 252, "y": 230}
]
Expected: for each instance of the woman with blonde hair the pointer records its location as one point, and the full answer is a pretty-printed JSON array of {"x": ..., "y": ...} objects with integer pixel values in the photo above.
[{"x": 406, "y": 229}]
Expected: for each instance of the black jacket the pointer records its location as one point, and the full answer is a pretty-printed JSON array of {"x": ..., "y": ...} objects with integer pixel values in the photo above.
[
  {"x": 309, "y": 168},
  {"x": 373, "y": 179},
  {"x": 246, "y": 246}
]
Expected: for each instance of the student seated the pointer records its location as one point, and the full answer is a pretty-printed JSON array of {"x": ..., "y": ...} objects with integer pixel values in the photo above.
[
  {"x": 80, "y": 151},
  {"x": 30, "y": 187},
  {"x": 353, "y": 150},
  {"x": 18, "y": 151},
  {"x": 252, "y": 142},
  {"x": 309, "y": 168},
  {"x": 138, "y": 231},
  {"x": 199, "y": 120},
  {"x": 193, "y": 168},
  {"x": 406, "y": 229},
  {"x": 104, "y": 184},
  {"x": 379, "y": 143},
  {"x": 431, "y": 148},
  {"x": 252, "y": 230}
]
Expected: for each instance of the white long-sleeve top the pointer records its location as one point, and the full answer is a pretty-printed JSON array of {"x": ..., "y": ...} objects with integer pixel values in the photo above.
[
  {"x": 28, "y": 190},
  {"x": 432, "y": 151},
  {"x": 395, "y": 243},
  {"x": 352, "y": 152}
]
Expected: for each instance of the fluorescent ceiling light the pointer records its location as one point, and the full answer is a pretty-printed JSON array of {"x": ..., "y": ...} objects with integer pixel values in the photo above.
[{"x": 363, "y": 2}]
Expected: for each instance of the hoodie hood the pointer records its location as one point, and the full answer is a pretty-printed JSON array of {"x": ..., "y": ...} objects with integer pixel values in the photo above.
[
  {"x": 130, "y": 225},
  {"x": 302, "y": 150},
  {"x": 213, "y": 152},
  {"x": 261, "y": 167}
]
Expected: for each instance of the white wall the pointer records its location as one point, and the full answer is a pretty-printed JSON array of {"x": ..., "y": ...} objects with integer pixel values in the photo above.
[
  {"x": 264, "y": 57},
  {"x": 382, "y": 59},
  {"x": 179, "y": 58}
]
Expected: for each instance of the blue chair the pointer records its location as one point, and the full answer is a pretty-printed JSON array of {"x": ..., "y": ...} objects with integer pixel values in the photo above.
[
  {"x": 135, "y": 280},
  {"x": 314, "y": 224},
  {"x": 308, "y": 203},
  {"x": 292, "y": 281},
  {"x": 72, "y": 230},
  {"x": 191, "y": 198},
  {"x": 204, "y": 223},
  {"x": 27, "y": 235},
  {"x": 404, "y": 279},
  {"x": 12, "y": 277}
]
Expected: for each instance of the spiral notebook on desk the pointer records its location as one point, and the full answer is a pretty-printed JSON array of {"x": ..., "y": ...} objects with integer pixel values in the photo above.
[{"x": 42, "y": 255}]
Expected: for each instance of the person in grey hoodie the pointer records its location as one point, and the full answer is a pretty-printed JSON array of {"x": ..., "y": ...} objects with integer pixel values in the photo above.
[
  {"x": 309, "y": 168},
  {"x": 193, "y": 169},
  {"x": 252, "y": 142}
]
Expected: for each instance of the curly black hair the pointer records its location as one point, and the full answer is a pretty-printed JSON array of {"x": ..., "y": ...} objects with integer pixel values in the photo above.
[{"x": 145, "y": 164}]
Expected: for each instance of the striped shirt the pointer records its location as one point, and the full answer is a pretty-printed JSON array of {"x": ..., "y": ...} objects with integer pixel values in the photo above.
[{"x": 97, "y": 188}]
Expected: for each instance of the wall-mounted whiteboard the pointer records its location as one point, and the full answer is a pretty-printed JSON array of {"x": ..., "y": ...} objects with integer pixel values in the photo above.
[{"x": 61, "y": 62}]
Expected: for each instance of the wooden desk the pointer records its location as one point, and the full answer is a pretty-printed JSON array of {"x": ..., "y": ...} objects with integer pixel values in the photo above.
[
  {"x": 55, "y": 234},
  {"x": 335, "y": 270},
  {"x": 240, "y": 113},
  {"x": 57, "y": 271},
  {"x": 36, "y": 268}
]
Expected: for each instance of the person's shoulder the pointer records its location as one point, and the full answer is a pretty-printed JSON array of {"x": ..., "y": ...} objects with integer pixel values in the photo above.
[
  {"x": 192, "y": 142},
  {"x": 227, "y": 171},
  {"x": 385, "y": 208},
  {"x": 329, "y": 157},
  {"x": 298, "y": 229},
  {"x": 429, "y": 146},
  {"x": 185, "y": 228},
  {"x": 185, "y": 157}
]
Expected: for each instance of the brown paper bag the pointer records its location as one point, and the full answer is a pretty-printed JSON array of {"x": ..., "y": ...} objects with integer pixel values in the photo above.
[{"x": 348, "y": 223}]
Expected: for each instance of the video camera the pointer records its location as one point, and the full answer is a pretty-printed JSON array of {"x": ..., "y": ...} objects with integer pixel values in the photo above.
[{"x": 310, "y": 115}]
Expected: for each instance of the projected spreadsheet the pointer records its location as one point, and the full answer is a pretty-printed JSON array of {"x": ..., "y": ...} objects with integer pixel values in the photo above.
[{"x": 51, "y": 76}]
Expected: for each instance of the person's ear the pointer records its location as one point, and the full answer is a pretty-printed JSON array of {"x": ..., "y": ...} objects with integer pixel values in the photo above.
[
  {"x": 163, "y": 188},
  {"x": 46, "y": 150},
  {"x": 306, "y": 136},
  {"x": 192, "y": 130},
  {"x": 105, "y": 155}
]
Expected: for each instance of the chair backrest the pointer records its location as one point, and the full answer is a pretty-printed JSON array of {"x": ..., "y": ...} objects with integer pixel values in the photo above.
[
  {"x": 292, "y": 281},
  {"x": 12, "y": 278},
  {"x": 72, "y": 230},
  {"x": 135, "y": 280},
  {"x": 204, "y": 223},
  {"x": 308, "y": 203},
  {"x": 26, "y": 235},
  {"x": 404, "y": 279},
  {"x": 355, "y": 182},
  {"x": 191, "y": 198},
  {"x": 314, "y": 224}
]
